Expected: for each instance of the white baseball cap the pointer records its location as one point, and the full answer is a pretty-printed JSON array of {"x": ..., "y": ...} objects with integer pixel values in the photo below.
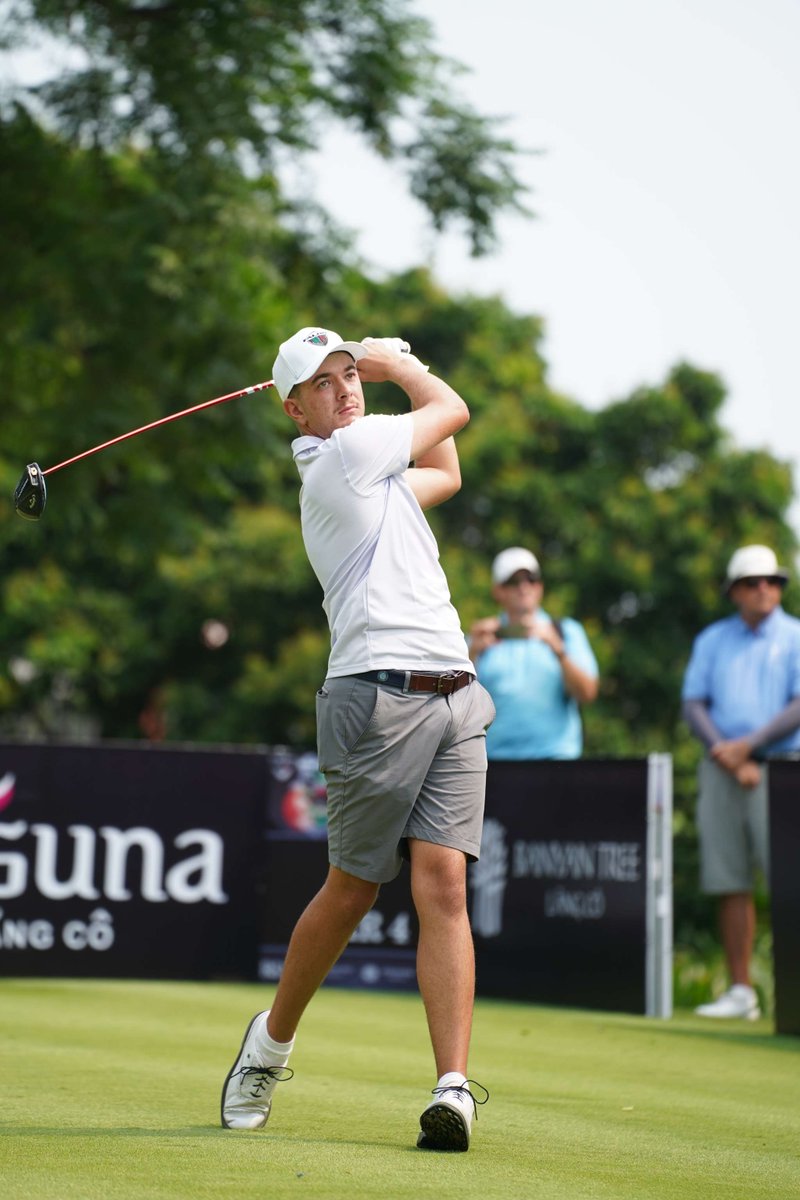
[
  {"x": 508, "y": 562},
  {"x": 749, "y": 561},
  {"x": 304, "y": 352}
]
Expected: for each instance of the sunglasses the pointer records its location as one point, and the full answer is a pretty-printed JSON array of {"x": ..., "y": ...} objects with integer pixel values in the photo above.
[
  {"x": 754, "y": 581},
  {"x": 518, "y": 580}
]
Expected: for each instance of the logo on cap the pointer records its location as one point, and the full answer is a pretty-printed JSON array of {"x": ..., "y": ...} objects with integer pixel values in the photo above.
[{"x": 317, "y": 339}]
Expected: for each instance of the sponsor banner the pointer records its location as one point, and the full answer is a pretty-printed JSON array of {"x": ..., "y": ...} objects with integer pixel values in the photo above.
[
  {"x": 382, "y": 951},
  {"x": 558, "y": 898},
  {"x": 784, "y": 829},
  {"x": 130, "y": 860},
  {"x": 142, "y": 861}
]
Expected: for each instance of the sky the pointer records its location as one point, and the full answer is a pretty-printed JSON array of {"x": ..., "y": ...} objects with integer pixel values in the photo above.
[{"x": 666, "y": 187}]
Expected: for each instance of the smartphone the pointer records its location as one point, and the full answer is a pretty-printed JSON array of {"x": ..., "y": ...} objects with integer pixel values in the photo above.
[{"x": 512, "y": 631}]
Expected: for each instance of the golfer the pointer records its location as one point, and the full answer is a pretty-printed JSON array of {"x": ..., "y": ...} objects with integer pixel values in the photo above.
[{"x": 401, "y": 720}]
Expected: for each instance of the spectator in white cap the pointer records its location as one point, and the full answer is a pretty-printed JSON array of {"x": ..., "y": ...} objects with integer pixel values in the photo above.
[
  {"x": 537, "y": 670},
  {"x": 741, "y": 699}
]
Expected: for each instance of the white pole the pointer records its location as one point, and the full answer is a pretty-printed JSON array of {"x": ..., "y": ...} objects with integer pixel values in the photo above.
[{"x": 658, "y": 957}]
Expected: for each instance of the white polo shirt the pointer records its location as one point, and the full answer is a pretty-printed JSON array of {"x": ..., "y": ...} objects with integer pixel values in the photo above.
[{"x": 385, "y": 594}]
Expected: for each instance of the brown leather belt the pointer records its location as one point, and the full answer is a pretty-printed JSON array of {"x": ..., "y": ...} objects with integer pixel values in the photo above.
[{"x": 415, "y": 681}]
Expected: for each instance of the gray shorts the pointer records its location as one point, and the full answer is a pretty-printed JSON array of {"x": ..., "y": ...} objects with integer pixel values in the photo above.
[
  {"x": 400, "y": 765},
  {"x": 732, "y": 823}
]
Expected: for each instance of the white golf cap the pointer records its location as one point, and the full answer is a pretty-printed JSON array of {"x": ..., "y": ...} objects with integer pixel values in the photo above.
[
  {"x": 749, "y": 561},
  {"x": 508, "y": 562},
  {"x": 302, "y": 355}
]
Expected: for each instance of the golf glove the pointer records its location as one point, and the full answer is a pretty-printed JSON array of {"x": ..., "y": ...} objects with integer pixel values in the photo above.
[{"x": 400, "y": 347}]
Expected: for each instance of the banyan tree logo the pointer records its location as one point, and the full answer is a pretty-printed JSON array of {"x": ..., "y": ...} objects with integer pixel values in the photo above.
[{"x": 488, "y": 878}]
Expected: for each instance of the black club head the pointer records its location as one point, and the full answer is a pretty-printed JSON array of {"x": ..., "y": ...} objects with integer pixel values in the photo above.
[{"x": 30, "y": 494}]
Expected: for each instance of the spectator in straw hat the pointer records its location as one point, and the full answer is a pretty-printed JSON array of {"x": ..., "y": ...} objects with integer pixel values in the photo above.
[{"x": 741, "y": 699}]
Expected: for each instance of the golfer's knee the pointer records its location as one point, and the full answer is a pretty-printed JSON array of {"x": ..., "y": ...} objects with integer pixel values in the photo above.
[
  {"x": 440, "y": 893},
  {"x": 350, "y": 895}
]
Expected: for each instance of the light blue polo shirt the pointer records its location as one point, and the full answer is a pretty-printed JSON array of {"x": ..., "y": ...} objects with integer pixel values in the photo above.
[
  {"x": 747, "y": 676},
  {"x": 535, "y": 717}
]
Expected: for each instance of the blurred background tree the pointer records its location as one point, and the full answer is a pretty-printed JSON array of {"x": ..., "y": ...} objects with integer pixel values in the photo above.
[{"x": 153, "y": 258}]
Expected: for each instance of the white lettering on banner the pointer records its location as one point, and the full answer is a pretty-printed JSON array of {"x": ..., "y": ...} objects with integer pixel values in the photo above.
[
  {"x": 80, "y": 882},
  {"x": 613, "y": 862},
  {"x": 398, "y": 931},
  {"x": 118, "y": 843},
  {"x": 19, "y": 934},
  {"x": 370, "y": 930},
  {"x": 95, "y": 934},
  {"x": 578, "y": 906},
  {"x": 14, "y": 866},
  {"x": 195, "y": 878},
  {"x": 207, "y": 865}
]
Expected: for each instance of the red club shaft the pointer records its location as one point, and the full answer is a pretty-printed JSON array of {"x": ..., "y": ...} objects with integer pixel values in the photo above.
[{"x": 256, "y": 387}]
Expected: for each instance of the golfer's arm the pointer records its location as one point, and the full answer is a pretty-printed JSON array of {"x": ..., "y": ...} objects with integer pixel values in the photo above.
[
  {"x": 436, "y": 476},
  {"x": 438, "y": 413}
]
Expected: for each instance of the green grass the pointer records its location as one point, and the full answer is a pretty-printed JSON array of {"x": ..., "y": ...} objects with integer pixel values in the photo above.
[{"x": 111, "y": 1089}]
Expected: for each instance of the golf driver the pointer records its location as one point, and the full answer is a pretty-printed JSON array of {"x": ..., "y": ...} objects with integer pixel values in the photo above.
[{"x": 30, "y": 494}]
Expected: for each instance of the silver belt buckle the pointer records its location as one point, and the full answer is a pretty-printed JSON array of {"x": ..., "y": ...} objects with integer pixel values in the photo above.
[{"x": 450, "y": 678}]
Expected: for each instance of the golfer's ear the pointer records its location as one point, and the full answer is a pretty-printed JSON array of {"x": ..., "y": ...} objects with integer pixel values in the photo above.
[{"x": 293, "y": 410}]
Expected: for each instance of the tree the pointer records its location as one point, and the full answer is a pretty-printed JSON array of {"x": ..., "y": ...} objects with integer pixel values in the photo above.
[
  {"x": 239, "y": 82},
  {"x": 149, "y": 256}
]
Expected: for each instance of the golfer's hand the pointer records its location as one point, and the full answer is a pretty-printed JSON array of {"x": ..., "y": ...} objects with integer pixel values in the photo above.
[{"x": 387, "y": 359}]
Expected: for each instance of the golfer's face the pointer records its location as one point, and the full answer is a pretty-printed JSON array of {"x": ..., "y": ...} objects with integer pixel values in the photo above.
[{"x": 332, "y": 398}]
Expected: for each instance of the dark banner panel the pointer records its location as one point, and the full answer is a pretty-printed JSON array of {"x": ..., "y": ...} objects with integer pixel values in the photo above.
[
  {"x": 558, "y": 899},
  {"x": 194, "y": 863},
  {"x": 130, "y": 860},
  {"x": 382, "y": 951},
  {"x": 784, "y": 820}
]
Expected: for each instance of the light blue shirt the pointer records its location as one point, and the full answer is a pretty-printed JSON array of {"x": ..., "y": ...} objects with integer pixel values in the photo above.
[
  {"x": 747, "y": 676},
  {"x": 535, "y": 716}
]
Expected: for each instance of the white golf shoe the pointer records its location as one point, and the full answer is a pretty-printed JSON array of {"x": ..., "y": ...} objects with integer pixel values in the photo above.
[
  {"x": 247, "y": 1091},
  {"x": 446, "y": 1123},
  {"x": 739, "y": 1001}
]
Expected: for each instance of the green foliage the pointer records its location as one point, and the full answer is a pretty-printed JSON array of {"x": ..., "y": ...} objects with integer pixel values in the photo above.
[
  {"x": 239, "y": 82},
  {"x": 151, "y": 261}
]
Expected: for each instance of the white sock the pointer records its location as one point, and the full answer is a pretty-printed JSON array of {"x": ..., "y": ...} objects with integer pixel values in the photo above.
[
  {"x": 273, "y": 1054},
  {"x": 452, "y": 1079}
]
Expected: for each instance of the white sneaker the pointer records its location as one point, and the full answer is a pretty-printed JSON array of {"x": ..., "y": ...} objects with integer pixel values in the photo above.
[
  {"x": 446, "y": 1123},
  {"x": 739, "y": 1001},
  {"x": 247, "y": 1091}
]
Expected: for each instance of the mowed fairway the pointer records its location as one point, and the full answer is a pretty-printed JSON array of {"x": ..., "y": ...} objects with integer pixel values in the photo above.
[{"x": 111, "y": 1090}]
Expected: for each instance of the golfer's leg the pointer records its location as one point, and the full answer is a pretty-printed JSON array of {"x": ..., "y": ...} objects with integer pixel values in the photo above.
[
  {"x": 445, "y": 953},
  {"x": 319, "y": 937}
]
